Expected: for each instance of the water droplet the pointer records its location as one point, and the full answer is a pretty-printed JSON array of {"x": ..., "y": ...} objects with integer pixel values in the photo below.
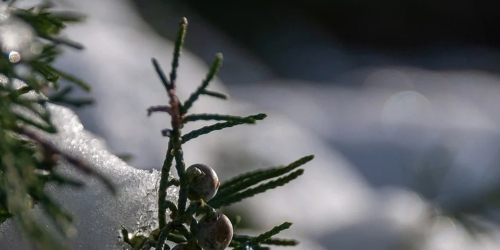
[
  {"x": 247, "y": 247},
  {"x": 14, "y": 56}
]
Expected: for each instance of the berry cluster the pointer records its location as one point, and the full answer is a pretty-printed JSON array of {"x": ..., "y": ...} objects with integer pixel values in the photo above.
[{"x": 215, "y": 230}]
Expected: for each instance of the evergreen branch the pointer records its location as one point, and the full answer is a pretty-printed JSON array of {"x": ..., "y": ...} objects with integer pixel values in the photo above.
[
  {"x": 183, "y": 231},
  {"x": 45, "y": 71},
  {"x": 170, "y": 205},
  {"x": 64, "y": 41},
  {"x": 233, "y": 198},
  {"x": 70, "y": 78},
  {"x": 175, "y": 144},
  {"x": 61, "y": 180},
  {"x": 18, "y": 202},
  {"x": 29, "y": 106},
  {"x": 181, "y": 171},
  {"x": 177, "y": 50},
  {"x": 60, "y": 97},
  {"x": 192, "y": 208},
  {"x": 163, "y": 236},
  {"x": 164, "y": 184},
  {"x": 161, "y": 74},
  {"x": 61, "y": 94},
  {"x": 44, "y": 127},
  {"x": 214, "y": 68},
  {"x": 77, "y": 103},
  {"x": 174, "y": 182},
  {"x": 49, "y": 53},
  {"x": 161, "y": 108},
  {"x": 270, "y": 241},
  {"x": 72, "y": 160},
  {"x": 249, "y": 179},
  {"x": 254, "y": 242},
  {"x": 193, "y": 226},
  {"x": 222, "y": 125},
  {"x": 176, "y": 238},
  {"x": 215, "y": 94},
  {"x": 14, "y": 94},
  {"x": 217, "y": 117}
]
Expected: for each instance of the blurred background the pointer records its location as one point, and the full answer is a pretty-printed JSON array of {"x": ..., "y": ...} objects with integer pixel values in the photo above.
[{"x": 398, "y": 100}]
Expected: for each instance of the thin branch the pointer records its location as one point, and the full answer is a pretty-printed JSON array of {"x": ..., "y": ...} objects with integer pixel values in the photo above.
[
  {"x": 218, "y": 126},
  {"x": 72, "y": 160},
  {"x": 177, "y": 50},
  {"x": 214, "y": 117},
  {"x": 270, "y": 241},
  {"x": 164, "y": 183},
  {"x": 161, "y": 74},
  {"x": 231, "y": 199},
  {"x": 215, "y": 94},
  {"x": 254, "y": 177},
  {"x": 214, "y": 68},
  {"x": 160, "y": 109},
  {"x": 254, "y": 242}
]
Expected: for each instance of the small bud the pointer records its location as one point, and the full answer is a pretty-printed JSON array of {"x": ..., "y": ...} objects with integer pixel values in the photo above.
[
  {"x": 214, "y": 233},
  {"x": 203, "y": 182}
]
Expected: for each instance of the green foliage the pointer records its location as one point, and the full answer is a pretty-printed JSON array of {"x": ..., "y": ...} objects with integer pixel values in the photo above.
[
  {"x": 27, "y": 161},
  {"x": 183, "y": 226}
]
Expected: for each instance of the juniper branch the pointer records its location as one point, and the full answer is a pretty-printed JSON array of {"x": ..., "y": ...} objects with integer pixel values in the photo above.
[
  {"x": 215, "y": 94},
  {"x": 162, "y": 190},
  {"x": 177, "y": 50},
  {"x": 218, "y": 126},
  {"x": 165, "y": 231},
  {"x": 171, "y": 206},
  {"x": 175, "y": 144},
  {"x": 270, "y": 241},
  {"x": 161, "y": 108},
  {"x": 176, "y": 238},
  {"x": 64, "y": 41},
  {"x": 70, "y": 78},
  {"x": 233, "y": 198},
  {"x": 40, "y": 112},
  {"x": 61, "y": 97},
  {"x": 249, "y": 179},
  {"x": 161, "y": 74},
  {"x": 44, "y": 127},
  {"x": 254, "y": 242},
  {"x": 213, "y": 117},
  {"x": 214, "y": 68},
  {"x": 14, "y": 94}
]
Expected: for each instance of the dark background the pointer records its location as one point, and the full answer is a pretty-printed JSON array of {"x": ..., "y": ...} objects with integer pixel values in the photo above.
[
  {"x": 385, "y": 24},
  {"x": 320, "y": 41}
]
